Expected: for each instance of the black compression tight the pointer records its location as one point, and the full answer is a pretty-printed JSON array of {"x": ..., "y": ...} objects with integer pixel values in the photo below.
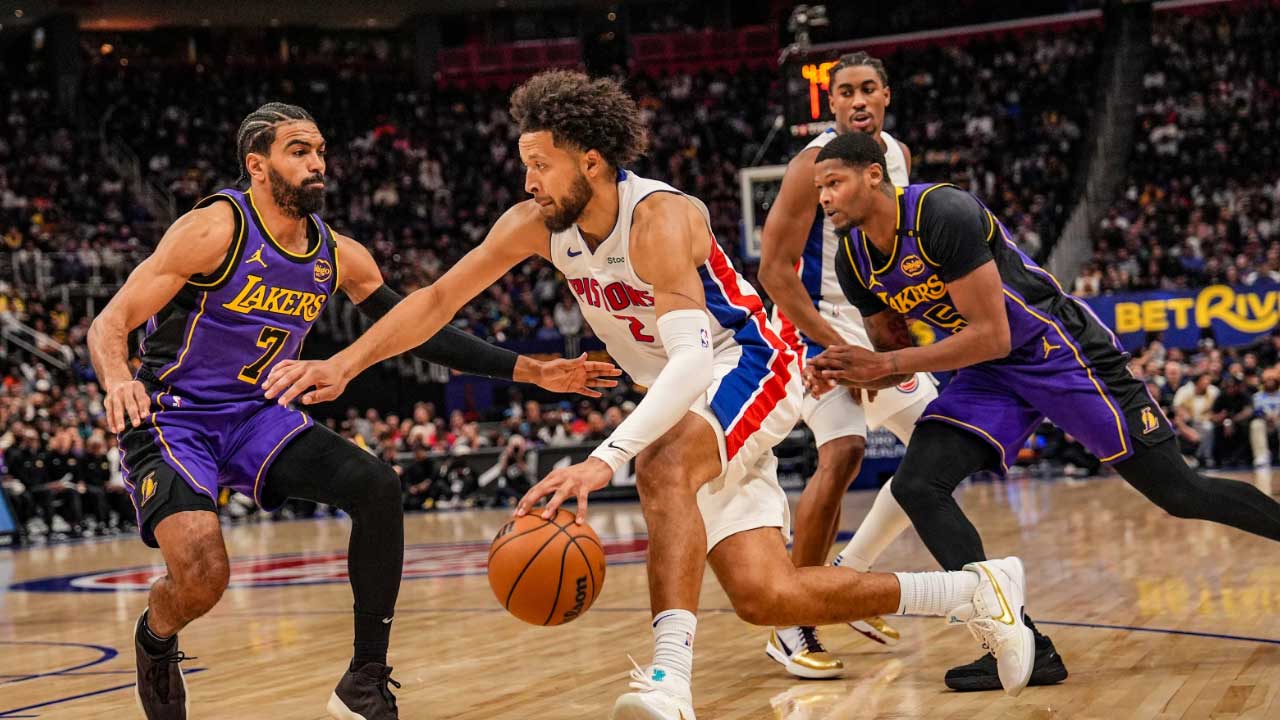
[
  {"x": 323, "y": 467},
  {"x": 1160, "y": 473},
  {"x": 940, "y": 456}
]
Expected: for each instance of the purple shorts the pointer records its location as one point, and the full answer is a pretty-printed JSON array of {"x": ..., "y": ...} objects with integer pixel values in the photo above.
[
  {"x": 1087, "y": 390},
  {"x": 207, "y": 447}
]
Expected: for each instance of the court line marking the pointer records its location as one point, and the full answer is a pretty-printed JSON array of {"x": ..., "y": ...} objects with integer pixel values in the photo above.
[
  {"x": 108, "y": 653},
  {"x": 704, "y": 611},
  {"x": 72, "y": 698}
]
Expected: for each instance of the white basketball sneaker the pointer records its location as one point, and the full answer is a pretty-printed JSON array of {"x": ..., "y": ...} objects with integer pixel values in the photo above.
[
  {"x": 877, "y": 630},
  {"x": 799, "y": 650},
  {"x": 995, "y": 619},
  {"x": 656, "y": 697}
]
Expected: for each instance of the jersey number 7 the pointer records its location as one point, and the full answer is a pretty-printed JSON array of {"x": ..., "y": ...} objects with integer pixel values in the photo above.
[{"x": 272, "y": 339}]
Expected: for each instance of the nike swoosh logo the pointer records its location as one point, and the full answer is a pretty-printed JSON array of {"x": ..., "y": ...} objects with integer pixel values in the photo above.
[
  {"x": 573, "y": 254},
  {"x": 387, "y": 621},
  {"x": 1004, "y": 604},
  {"x": 616, "y": 446}
]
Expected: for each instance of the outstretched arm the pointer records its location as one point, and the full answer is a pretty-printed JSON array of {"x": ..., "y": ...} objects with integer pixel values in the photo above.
[
  {"x": 362, "y": 281},
  {"x": 517, "y": 235},
  {"x": 194, "y": 245},
  {"x": 666, "y": 230}
]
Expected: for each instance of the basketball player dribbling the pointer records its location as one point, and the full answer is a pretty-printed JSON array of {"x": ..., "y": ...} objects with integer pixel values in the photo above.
[
  {"x": 723, "y": 390},
  {"x": 234, "y": 286},
  {"x": 798, "y": 269}
]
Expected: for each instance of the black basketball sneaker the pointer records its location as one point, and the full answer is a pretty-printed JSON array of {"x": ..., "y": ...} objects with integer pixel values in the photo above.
[
  {"x": 161, "y": 690},
  {"x": 363, "y": 695},
  {"x": 981, "y": 674}
]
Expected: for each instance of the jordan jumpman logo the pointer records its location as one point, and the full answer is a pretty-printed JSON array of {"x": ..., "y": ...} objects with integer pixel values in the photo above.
[{"x": 257, "y": 256}]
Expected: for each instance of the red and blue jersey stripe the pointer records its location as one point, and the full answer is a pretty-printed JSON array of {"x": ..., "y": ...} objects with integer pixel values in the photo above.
[{"x": 751, "y": 391}]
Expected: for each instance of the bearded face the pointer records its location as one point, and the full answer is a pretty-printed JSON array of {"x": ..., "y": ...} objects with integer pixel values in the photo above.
[
  {"x": 568, "y": 209},
  {"x": 297, "y": 201}
]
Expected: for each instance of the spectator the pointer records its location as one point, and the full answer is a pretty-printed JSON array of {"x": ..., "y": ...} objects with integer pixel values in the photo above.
[
  {"x": 1195, "y": 402},
  {"x": 1263, "y": 427},
  {"x": 1231, "y": 414},
  {"x": 418, "y": 480}
]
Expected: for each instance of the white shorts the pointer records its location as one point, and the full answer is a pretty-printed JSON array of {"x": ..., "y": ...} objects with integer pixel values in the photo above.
[
  {"x": 747, "y": 495},
  {"x": 836, "y": 415}
]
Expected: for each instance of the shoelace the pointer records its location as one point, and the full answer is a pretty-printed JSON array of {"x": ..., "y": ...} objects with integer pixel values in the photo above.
[
  {"x": 386, "y": 691},
  {"x": 981, "y": 631},
  {"x": 639, "y": 678},
  {"x": 811, "y": 642},
  {"x": 158, "y": 674}
]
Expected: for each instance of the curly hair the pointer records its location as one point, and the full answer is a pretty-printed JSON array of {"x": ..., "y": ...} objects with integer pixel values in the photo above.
[{"x": 586, "y": 113}]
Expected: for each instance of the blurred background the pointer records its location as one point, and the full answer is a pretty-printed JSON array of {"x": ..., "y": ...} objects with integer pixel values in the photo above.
[{"x": 1128, "y": 145}]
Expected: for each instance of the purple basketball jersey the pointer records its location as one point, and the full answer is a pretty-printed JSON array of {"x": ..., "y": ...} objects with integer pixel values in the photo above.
[
  {"x": 1063, "y": 363},
  {"x": 219, "y": 337}
]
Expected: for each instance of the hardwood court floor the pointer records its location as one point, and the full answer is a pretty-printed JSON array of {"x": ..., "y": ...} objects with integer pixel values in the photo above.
[{"x": 1157, "y": 618}]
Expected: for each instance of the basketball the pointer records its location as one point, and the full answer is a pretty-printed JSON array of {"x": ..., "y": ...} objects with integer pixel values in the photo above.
[{"x": 546, "y": 572}]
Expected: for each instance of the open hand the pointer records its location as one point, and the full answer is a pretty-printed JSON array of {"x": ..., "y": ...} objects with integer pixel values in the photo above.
[
  {"x": 575, "y": 481},
  {"x": 576, "y": 375},
  {"x": 128, "y": 398},
  {"x": 291, "y": 378}
]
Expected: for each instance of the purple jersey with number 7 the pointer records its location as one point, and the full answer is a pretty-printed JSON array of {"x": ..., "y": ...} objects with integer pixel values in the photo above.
[{"x": 207, "y": 352}]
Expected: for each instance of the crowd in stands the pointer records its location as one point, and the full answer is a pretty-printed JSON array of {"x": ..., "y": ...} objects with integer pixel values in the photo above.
[
  {"x": 1002, "y": 117},
  {"x": 60, "y": 467},
  {"x": 1224, "y": 404},
  {"x": 419, "y": 175},
  {"x": 1202, "y": 202}
]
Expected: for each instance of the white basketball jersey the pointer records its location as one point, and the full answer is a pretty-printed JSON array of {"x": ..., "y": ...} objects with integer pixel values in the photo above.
[
  {"x": 753, "y": 364},
  {"x": 817, "y": 267}
]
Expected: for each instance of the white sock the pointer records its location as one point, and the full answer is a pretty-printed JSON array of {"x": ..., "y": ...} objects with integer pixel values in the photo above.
[
  {"x": 673, "y": 632},
  {"x": 935, "y": 593},
  {"x": 885, "y": 521}
]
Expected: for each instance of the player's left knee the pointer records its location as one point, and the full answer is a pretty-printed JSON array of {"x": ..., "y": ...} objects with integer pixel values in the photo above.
[
  {"x": 758, "y": 603},
  {"x": 384, "y": 486},
  {"x": 839, "y": 461}
]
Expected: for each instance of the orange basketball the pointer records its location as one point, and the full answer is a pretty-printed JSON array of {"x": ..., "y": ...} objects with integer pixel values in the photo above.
[{"x": 546, "y": 572}]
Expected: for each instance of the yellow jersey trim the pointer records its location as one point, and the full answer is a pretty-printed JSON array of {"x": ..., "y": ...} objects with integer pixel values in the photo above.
[
  {"x": 257, "y": 480},
  {"x": 848, "y": 250},
  {"x": 337, "y": 269},
  {"x": 233, "y": 253},
  {"x": 191, "y": 333},
  {"x": 919, "y": 210},
  {"x": 275, "y": 243},
  {"x": 994, "y": 443},
  {"x": 155, "y": 423},
  {"x": 1124, "y": 443},
  {"x": 897, "y": 208}
]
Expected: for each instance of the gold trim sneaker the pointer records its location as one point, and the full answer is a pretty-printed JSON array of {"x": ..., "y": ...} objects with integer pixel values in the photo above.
[
  {"x": 995, "y": 619},
  {"x": 876, "y": 629},
  {"x": 799, "y": 650},
  {"x": 656, "y": 697}
]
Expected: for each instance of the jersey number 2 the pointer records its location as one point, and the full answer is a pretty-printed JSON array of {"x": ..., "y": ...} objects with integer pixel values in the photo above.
[
  {"x": 637, "y": 328},
  {"x": 272, "y": 339}
]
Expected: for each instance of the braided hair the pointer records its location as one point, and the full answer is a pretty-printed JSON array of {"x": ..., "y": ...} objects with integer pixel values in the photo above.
[
  {"x": 858, "y": 59},
  {"x": 258, "y": 130}
]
